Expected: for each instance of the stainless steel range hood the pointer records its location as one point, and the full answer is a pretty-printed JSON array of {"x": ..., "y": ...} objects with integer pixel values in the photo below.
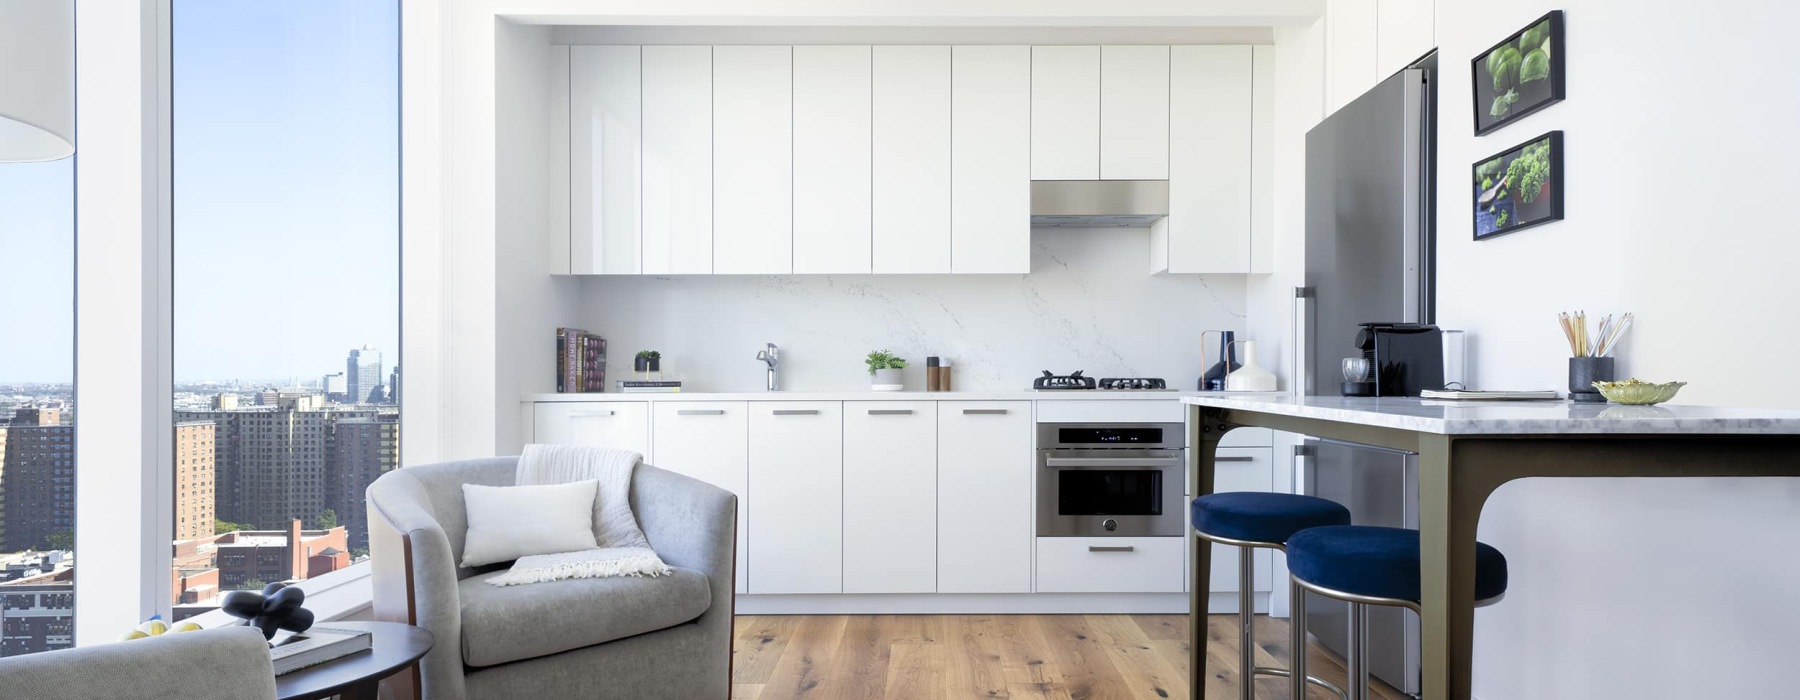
[{"x": 1098, "y": 203}]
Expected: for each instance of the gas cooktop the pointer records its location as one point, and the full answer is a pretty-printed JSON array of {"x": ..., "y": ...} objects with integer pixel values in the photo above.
[{"x": 1074, "y": 381}]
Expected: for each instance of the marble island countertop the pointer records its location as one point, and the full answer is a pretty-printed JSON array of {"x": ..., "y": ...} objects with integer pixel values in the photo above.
[
  {"x": 852, "y": 395},
  {"x": 1514, "y": 417}
]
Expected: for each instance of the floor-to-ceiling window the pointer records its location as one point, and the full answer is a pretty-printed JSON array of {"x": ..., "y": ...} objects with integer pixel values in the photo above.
[
  {"x": 37, "y": 409},
  {"x": 286, "y": 240}
]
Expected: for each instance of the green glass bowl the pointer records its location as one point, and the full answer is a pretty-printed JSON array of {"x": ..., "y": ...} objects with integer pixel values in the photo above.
[{"x": 1635, "y": 393}]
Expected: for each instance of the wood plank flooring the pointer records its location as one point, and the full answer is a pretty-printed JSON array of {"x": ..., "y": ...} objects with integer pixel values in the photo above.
[{"x": 1021, "y": 657}]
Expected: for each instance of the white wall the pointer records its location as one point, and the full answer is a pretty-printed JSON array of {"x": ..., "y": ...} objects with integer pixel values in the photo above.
[
  {"x": 1677, "y": 210},
  {"x": 1087, "y": 304},
  {"x": 528, "y": 301}
]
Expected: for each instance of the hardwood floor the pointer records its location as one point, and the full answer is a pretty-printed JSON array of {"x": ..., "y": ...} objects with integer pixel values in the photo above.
[{"x": 1035, "y": 657}]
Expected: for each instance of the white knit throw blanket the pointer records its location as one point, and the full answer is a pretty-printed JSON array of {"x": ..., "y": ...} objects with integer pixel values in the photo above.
[{"x": 623, "y": 549}]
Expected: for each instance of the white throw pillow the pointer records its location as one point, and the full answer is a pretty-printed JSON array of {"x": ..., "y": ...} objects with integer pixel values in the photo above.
[{"x": 508, "y": 522}]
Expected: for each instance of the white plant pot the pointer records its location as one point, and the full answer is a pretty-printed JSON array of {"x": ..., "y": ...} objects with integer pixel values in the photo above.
[{"x": 887, "y": 380}]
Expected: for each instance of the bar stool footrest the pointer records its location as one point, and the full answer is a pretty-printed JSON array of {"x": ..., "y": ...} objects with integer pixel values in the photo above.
[{"x": 1315, "y": 680}]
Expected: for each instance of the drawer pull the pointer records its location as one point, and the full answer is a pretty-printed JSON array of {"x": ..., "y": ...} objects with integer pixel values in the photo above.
[
  {"x": 700, "y": 412},
  {"x": 984, "y": 411},
  {"x": 890, "y": 412},
  {"x": 592, "y": 414},
  {"x": 796, "y": 411},
  {"x": 1099, "y": 548},
  {"x": 1234, "y": 459}
]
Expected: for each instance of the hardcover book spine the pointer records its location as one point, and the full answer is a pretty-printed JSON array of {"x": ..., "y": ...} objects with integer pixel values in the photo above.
[{"x": 562, "y": 363}]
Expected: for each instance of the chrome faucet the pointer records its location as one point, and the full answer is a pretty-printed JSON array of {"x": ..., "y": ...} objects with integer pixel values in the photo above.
[{"x": 769, "y": 356}]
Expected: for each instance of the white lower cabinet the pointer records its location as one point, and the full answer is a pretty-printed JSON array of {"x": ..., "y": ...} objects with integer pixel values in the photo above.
[
  {"x": 1109, "y": 564},
  {"x": 797, "y": 479},
  {"x": 622, "y": 425},
  {"x": 709, "y": 441},
  {"x": 1241, "y": 469},
  {"x": 984, "y": 527},
  {"x": 890, "y": 496}
]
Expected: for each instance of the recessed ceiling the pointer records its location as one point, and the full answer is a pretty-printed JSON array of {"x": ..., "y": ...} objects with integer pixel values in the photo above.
[{"x": 1039, "y": 36}]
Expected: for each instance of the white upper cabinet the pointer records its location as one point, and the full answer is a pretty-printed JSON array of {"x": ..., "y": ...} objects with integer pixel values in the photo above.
[
  {"x": 605, "y": 141},
  {"x": 1134, "y": 112},
  {"x": 678, "y": 160},
  {"x": 990, "y": 159},
  {"x": 1209, "y": 225},
  {"x": 833, "y": 144},
  {"x": 753, "y": 166},
  {"x": 912, "y": 159},
  {"x": 1065, "y": 112}
]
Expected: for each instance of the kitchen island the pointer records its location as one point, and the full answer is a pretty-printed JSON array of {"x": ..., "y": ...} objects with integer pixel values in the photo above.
[{"x": 1466, "y": 451}]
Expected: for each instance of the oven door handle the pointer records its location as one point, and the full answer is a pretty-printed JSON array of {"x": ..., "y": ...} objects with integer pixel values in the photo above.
[{"x": 1112, "y": 462}]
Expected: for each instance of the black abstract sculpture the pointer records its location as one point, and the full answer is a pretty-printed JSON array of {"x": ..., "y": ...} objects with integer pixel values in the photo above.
[{"x": 276, "y": 607}]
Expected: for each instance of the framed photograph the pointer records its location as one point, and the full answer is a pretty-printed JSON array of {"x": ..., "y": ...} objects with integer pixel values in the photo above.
[
  {"x": 1520, "y": 75},
  {"x": 1520, "y": 187}
]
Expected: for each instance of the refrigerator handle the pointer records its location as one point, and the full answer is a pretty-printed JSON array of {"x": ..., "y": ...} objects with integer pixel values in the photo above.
[{"x": 1300, "y": 320}]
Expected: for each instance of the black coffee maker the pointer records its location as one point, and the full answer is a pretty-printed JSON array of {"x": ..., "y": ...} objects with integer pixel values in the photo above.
[{"x": 1403, "y": 359}]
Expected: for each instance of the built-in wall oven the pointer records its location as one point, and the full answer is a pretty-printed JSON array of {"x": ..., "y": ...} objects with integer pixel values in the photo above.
[{"x": 1111, "y": 479}]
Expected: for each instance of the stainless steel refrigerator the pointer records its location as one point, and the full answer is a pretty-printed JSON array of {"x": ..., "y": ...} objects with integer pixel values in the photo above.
[{"x": 1369, "y": 258}]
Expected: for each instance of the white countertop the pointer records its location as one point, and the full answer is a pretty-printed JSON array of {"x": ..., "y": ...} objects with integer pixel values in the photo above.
[
  {"x": 1514, "y": 417},
  {"x": 1077, "y": 395}
]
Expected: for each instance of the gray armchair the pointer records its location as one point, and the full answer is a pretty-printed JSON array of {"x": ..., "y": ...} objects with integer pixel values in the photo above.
[
  {"x": 666, "y": 637},
  {"x": 229, "y": 663}
]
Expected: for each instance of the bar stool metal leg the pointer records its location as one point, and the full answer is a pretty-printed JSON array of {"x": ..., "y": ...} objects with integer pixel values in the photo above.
[
  {"x": 1297, "y": 638},
  {"x": 1358, "y": 663},
  {"x": 1247, "y": 624}
]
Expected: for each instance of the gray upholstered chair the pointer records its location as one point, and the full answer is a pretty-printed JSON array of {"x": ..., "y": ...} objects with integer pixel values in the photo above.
[
  {"x": 229, "y": 663},
  {"x": 665, "y": 637}
]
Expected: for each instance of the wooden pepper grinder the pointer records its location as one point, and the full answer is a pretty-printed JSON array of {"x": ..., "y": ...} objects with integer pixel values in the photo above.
[
  {"x": 943, "y": 375},
  {"x": 933, "y": 374}
]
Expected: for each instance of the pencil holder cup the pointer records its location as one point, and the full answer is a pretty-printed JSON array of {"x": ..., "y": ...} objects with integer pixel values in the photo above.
[{"x": 1583, "y": 372}]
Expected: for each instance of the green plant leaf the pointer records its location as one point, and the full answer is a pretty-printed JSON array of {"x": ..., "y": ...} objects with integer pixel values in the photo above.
[{"x": 1503, "y": 104}]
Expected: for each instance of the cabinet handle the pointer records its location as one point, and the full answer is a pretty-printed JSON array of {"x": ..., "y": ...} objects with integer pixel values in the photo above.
[
  {"x": 1098, "y": 548},
  {"x": 890, "y": 412},
  {"x": 796, "y": 412},
  {"x": 1234, "y": 459},
  {"x": 591, "y": 414},
  {"x": 984, "y": 411},
  {"x": 700, "y": 412}
]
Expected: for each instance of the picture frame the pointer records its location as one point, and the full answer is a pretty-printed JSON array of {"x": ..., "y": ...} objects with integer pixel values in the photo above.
[
  {"x": 1531, "y": 67},
  {"x": 1500, "y": 184}
]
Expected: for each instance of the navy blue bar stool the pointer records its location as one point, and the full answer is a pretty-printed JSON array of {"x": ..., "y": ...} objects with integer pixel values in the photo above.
[
  {"x": 1366, "y": 566},
  {"x": 1251, "y": 520}
]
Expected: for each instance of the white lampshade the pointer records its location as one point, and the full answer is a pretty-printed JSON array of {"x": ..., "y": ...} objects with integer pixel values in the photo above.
[{"x": 37, "y": 80}]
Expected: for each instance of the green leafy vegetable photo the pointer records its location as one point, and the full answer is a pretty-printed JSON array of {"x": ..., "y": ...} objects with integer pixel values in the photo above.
[{"x": 1535, "y": 67}]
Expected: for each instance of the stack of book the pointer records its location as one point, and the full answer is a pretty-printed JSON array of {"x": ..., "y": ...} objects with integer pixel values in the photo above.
[
  {"x": 580, "y": 361},
  {"x": 648, "y": 387},
  {"x": 315, "y": 646}
]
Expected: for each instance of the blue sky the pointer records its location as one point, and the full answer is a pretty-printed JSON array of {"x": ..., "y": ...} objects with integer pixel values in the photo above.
[{"x": 286, "y": 118}]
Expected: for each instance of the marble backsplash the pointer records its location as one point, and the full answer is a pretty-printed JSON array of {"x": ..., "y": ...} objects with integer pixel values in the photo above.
[{"x": 1088, "y": 304}]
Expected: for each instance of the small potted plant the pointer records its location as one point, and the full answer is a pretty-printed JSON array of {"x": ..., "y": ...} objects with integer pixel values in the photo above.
[
  {"x": 648, "y": 361},
  {"x": 884, "y": 371}
]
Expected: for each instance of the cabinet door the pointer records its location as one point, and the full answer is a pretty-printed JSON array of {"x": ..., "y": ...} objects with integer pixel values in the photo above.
[
  {"x": 833, "y": 146},
  {"x": 984, "y": 528},
  {"x": 1134, "y": 113},
  {"x": 912, "y": 159},
  {"x": 1209, "y": 159},
  {"x": 605, "y": 141},
  {"x": 753, "y": 167},
  {"x": 796, "y": 472},
  {"x": 1065, "y": 112},
  {"x": 1241, "y": 469},
  {"x": 890, "y": 497},
  {"x": 678, "y": 160},
  {"x": 623, "y": 425},
  {"x": 990, "y": 159},
  {"x": 710, "y": 441}
]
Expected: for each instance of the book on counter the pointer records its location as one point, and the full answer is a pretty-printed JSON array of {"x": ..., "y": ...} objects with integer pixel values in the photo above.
[
  {"x": 648, "y": 387},
  {"x": 1469, "y": 395},
  {"x": 315, "y": 646},
  {"x": 580, "y": 361}
]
